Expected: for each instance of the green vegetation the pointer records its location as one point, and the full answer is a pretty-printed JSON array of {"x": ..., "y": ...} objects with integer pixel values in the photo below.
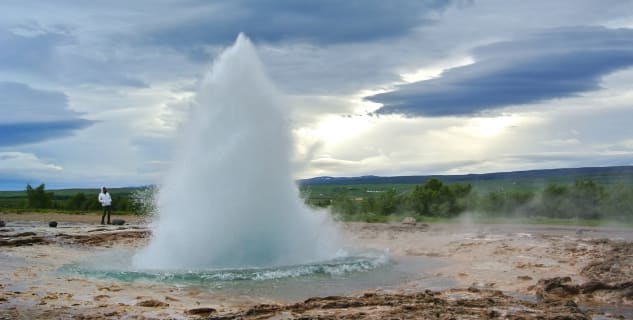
[
  {"x": 557, "y": 200},
  {"x": 69, "y": 200},
  {"x": 583, "y": 201}
]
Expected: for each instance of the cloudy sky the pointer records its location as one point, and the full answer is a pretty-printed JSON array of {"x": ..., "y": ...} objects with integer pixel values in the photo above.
[{"x": 92, "y": 93}]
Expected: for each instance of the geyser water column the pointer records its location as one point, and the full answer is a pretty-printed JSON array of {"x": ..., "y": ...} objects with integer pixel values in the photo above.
[{"x": 229, "y": 199}]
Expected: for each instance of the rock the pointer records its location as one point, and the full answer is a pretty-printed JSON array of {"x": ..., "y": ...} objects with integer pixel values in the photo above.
[
  {"x": 52, "y": 224},
  {"x": 101, "y": 297},
  {"x": 22, "y": 241},
  {"x": 118, "y": 222},
  {"x": 409, "y": 221},
  {"x": 557, "y": 288},
  {"x": 594, "y": 285},
  {"x": 152, "y": 303},
  {"x": 25, "y": 234},
  {"x": 263, "y": 309},
  {"x": 484, "y": 304},
  {"x": 2, "y": 224},
  {"x": 200, "y": 311}
]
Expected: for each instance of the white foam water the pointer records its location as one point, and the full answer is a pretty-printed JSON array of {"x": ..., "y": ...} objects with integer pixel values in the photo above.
[
  {"x": 230, "y": 200},
  {"x": 116, "y": 265}
]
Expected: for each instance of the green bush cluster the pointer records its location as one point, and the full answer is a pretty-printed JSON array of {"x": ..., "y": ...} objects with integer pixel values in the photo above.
[
  {"x": 583, "y": 199},
  {"x": 38, "y": 198},
  {"x": 433, "y": 198}
]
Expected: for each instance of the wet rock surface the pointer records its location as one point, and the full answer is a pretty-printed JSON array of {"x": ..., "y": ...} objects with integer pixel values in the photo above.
[
  {"x": 615, "y": 266},
  {"x": 21, "y": 239},
  {"x": 91, "y": 238},
  {"x": 609, "y": 276},
  {"x": 104, "y": 237},
  {"x": 451, "y": 304}
]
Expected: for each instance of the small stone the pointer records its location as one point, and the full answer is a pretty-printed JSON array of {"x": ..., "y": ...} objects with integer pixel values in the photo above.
[
  {"x": 2, "y": 224},
  {"x": 118, "y": 222},
  {"x": 201, "y": 311},
  {"x": 52, "y": 224},
  {"x": 101, "y": 297},
  {"x": 152, "y": 303}
]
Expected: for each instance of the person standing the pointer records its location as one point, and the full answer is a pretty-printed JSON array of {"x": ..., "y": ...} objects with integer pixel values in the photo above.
[{"x": 106, "y": 203}]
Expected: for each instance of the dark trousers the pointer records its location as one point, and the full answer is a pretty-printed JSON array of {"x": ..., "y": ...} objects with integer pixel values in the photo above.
[{"x": 108, "y": 210}]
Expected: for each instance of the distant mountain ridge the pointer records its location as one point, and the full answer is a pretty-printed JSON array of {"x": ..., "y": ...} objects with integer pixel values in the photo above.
[{"x": 616, "y": 172}]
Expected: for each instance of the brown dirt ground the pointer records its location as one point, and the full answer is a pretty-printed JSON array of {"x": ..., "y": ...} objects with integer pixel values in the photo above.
[
  {"x": 65, "y": 217},
  {"x": 500, "y": 271}
]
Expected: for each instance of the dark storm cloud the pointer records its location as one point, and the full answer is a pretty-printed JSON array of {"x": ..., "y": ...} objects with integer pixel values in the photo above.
[
  {"x": 555, "y": 64},
  {"x": 29, "y": 132},
  {"x": 36, "y": 51},
  {"x": 30, "y": 115},
  {"x": 29, "y": 52},
  {"x": 320, "y": 22}
]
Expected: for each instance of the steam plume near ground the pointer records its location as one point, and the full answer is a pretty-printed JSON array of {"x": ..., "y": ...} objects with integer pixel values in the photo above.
[{"x": 230, "y": 200}]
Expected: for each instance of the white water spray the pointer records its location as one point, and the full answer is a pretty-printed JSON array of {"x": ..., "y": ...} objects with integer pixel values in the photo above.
[{"x": 230, "y": 200}]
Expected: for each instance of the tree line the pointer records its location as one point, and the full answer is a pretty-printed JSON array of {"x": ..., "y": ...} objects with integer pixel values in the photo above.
[
  {"x": 583, "y": 199},
  {"x": 39, "y": 198}
]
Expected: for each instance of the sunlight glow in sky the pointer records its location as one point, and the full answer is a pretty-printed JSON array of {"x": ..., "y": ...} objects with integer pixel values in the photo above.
[{"x": 434, "y": 71}]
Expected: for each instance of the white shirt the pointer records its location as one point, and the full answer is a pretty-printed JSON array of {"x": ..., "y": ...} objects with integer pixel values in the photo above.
[{"x": 105, "y": 199}]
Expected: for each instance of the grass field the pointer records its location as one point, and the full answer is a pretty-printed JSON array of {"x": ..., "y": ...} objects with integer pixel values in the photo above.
[{"x": 15, "y": 201}]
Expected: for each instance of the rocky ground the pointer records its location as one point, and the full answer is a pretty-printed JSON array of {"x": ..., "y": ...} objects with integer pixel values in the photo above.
[{"x": 498, "y": 271}]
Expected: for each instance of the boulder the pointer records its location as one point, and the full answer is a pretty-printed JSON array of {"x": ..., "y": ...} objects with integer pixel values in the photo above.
[
  {"x": 52, "y": 224},
  {"x": 118, "y": 222},
  {"x": 2, "y": 224},
  {"x": 204, "y": 311}
]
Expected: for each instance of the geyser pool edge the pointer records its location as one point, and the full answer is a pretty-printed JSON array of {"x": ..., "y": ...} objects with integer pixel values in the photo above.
[{"x": 229, "y": 199}]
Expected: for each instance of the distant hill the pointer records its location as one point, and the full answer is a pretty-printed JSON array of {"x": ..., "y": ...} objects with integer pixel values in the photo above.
[{"x": 607, "y": 175}]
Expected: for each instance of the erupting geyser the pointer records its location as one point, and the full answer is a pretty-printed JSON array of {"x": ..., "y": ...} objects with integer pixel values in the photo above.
[{"x": 229, "y": 200}]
